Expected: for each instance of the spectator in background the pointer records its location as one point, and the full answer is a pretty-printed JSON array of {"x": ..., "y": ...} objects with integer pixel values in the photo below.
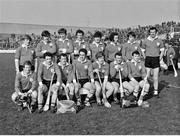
[
  {"x": 169, "y": 54},
  {"x": 176, "y": 57}
]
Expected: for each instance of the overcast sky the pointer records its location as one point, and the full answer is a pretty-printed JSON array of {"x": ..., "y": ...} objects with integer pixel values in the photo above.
[{"x": 98, "y": 13}]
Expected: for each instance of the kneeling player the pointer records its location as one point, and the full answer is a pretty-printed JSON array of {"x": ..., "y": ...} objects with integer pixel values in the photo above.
[
  {"x": 25, "y": 85},
  {"x": 116, "y": 68},
  {"x": 67, "y": 75},
  {"x": 101, "y": 69},
  {"x": 137, "y": 74},
  {"x": 84, "y": 74},
  {"x": 46, "y": 74}
]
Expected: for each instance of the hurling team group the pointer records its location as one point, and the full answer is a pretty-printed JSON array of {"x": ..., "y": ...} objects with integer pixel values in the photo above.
[{"x": 107, "y": 72}]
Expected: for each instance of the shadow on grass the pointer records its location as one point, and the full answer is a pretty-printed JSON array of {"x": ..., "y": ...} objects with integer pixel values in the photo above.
[{"x": 162, "y": 85}]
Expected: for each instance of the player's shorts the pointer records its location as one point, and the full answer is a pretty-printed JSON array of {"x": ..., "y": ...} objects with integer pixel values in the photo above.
[
  {"x": 152, "y": 62},
  {"x": 138, "y": 79},
  {"x": 64, "y": 81},
  {"x": 97, "y": 79},
  {"x": 102, "y": 79},
  {"x": 118, "y": 81},
  {"x": 48, "y": 82},
  {"x": 83, "y": 81}
]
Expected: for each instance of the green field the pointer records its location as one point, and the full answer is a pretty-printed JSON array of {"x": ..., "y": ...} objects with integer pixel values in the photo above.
[{"x": 162, "y": 117}]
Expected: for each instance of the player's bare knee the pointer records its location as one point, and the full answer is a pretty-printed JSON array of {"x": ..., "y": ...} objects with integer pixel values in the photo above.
[
  {"x": 34, "y": 94},
  {"x": 14, "y": 96}
]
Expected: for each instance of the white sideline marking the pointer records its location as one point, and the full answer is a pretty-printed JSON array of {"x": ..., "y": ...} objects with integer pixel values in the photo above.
[
  {"x": 7, "y": 51},
  {"x": 178, "y": 87}
]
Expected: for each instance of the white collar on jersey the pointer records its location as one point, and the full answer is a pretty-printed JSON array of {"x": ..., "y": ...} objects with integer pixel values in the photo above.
[
  {"x": 97, "y": 44},
  {"x": 77, "y": 41},
  {"x": 63, "y": 40},
  {"x": 47, "y": 65},
  {"x": 133, "y": 61},
  {"x": 115, "y": 63},
  {"x": 82, "y": 61},
  {"x": 60, "y": 64},
  {"x": 152, "y": 39},
  {"x": 113, "y": 43},
  {"x": 131, "y": 42},
  {"x": 26, "y": 75},
  {"x": 100, "y": 64},
  {"x": 24, "y": 46}
]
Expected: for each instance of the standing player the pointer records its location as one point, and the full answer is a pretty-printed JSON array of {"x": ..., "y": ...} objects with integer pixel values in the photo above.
[
  {"x": 153, "y": 50},
  {"x": 96, "y": 45},
  {"x": 25, "y": 86},
  {"x": 64, "y": 45},
  {"x": 137, "y": 74},
  {"x": 113, "y": 47},
  {"x": 67, "y": 76},
  {"x": 46, "y": 45},
  {"x": 101, "y": 70},
  {"x": 25, "y": 53},
  {"x": 119, "y": 66},
  {"x": 79, "y": 43},
  {"x": 130, "y": 46},
  {"x": 85, "y": 79},
  {"x": 45, "y": 73}
]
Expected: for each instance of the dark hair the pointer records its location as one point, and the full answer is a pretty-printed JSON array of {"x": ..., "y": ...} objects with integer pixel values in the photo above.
[
  {"x": 132, "y": 34},
  {"x": 153, "y": 28},
  {"x": 80, "y": 31},
  {"x": 111, "y": 37},
  {"x": 26, "y": 37},
  {"x": 97, "y": 34},
  {"x": 166, "y": 41},
  {"x": 100, "y": 54},
  {"x": 118, "y": 54},
  {"x": 62, "y": 30},
  {"x": 27, "y": 63},
  {"x": 83, "y": 50},
  {"x": 45, "y": 33},
  {"x": 48, "y": 54},
  {"x": 135, "y": 52},
  {"x": 63, "y": 55}
]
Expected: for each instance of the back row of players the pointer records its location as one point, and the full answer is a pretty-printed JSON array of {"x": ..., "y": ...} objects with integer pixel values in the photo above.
[{"x": 94, "y": 67}]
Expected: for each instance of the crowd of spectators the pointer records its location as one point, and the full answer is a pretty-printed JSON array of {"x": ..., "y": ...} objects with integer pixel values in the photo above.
[{"x": 141, "y": 32}]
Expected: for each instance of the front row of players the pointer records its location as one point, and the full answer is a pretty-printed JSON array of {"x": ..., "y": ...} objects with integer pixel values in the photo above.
[{"x": 98, "y": 79}]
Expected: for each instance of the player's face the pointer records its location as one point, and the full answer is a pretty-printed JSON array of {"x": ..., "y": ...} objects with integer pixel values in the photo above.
[
  {"x": 48, "y": 60},
  {"x": 46, "y": 39},
  {"x": 131, "y": 38},
  {"x": 101, "y": 60},
  {"x": 153, "y": 33},
  {"x": 62, "y": 35},
  {"x": 63, "y": 60},
  {"x": 97, "y": 39},
  {"x": 166, "y": 45},
  {"x": 26, "y": 42},
  {"x": 27, "y": 69},
  {"x": 116, "y": 37},
  {"x": 136, "y": 57},
  {"x": 118, "y": 59},
  {"x": 79, "y": 36},
  {"x": 82, "y": 56}
]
